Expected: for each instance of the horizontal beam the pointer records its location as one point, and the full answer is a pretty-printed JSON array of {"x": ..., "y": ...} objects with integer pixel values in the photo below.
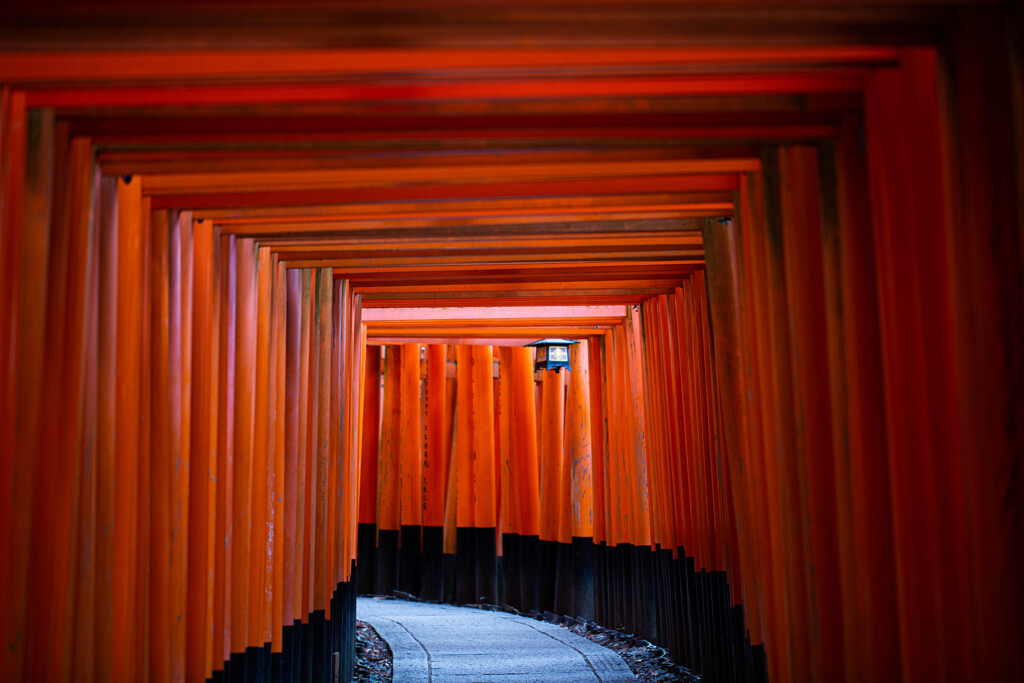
[
  {"x": 565, "y": 332},
  {"x": 462, "y": 341},
  {"x": 414, "y": 264},
  {"x": 463, "y": 208},
  {"x": 574, "y": 298},
  {"x": 676, "y": 218},
  {"x": 372, "y": 315},
  {"x": 263, "y": 95},
  {"x": 495, "y": 243},
  {"x": 547, "y": 284},
  {"x": 198, "y": 65},
  {"x": 526, "y": 189},
  {"x": 339, "y": 178}
]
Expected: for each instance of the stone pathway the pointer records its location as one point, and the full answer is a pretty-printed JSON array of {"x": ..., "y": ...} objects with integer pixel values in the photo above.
[{"x": 447, "y": 644}]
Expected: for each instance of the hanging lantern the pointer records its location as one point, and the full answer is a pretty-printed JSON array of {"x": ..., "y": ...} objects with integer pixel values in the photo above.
[{"x": 552, "y": 354}]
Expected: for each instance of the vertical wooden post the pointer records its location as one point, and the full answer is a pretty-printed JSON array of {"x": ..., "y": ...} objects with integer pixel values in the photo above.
[
  {"x": 485, "y": 511},
  {"x": 107, "y": 434},
  {"x": 160, "y": 454},
  {"x": 29, "y": 172},
  {"x": 245, "y": 371},
  {"x": 388, "y": 480},
  {"x": 720, "y": 242},
  {"x": 224, "y": 516},
  {"x": 280, "y": 530},
  {"x": 801, "y": 232},
  {"x": 577, "y": 444},
  {"x": 436, "y": 457},
  {"x": 524, "y": 440},
  {"x": 410, "y": 437},
  {"x": 465, "y": 515},
  {"x": 304, "y": 465},
  {"x": 293, "y": 510},
  {"x": 597, "y": 438},
  {"x": 371, "y": 438},
  {"x": 258, "y": 458},
  {"x": 203, "y": 466},
  {"x": 552, "y": 428},
  {"x": 908, "y": 172},
  {"x": 13, "y": 156},
  {"x": 325, "y": 285}
]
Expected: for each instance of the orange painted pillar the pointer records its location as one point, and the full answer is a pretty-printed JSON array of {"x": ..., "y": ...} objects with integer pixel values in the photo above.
[
  {"x": 107, "y": 421},
  {"x": 370, "y": 449},
  {"x": 280, "y": 529},
  {"x": 410, "y": 465},
  {"x": 304, "y": 465},
  {"x": 33, "y": 139},
  {"x": 597, "y": 437},
  {"x": 451, "y": 469},
  {"x": 292, "y": 508},
  {"x": 245, "y": 367},
  {"x": 91, "y": 605},
  {"x": 259, "y": 454},
  {"x": 552, "y": 428},
  {"x": 336, "y": 399},
  {"x": 356, "y": 374},
  {"x": 145, "y": 410},
  {"x": 179, "y": 409},
  {"x": 764, "y": 465},
  {"x": 724, "y": 305},
  {"x": 578, "y": 443},
  {"x": 321, "y": 589},
  {"x": 616, "y": 503},
  {"x": 862, "y": 475},
  {"x": 908, "y": 173},
  {"x": 389, "y": 477},
  {"x": 987, "y": 301},
  {"x": 464, "y": 490},
  {"x": 484, "y": 489},
  {"x": 224, "y": 524},
  {"x": 410, "y": 437},
  {"x": 49, "y": 631},
  {"x": 160, "y": 454},
  {"x": 801, "y": 230},
  {"x": 13, "y": 471},
  {"x": 523, "y": 438},
  {"x": 637, "y": 418},
  {"x": 203, "y": 464},
  {"x": 435, "y": 457},
  {"x": 509, "y": 512}
]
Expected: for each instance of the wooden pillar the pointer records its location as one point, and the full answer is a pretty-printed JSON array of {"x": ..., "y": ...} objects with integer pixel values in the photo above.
[{"x": 204, "y": 455}]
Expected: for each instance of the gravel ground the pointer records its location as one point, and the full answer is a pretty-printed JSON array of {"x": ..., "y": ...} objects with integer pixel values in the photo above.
[
  {"x": 373, "y": 656},
  {"x": 649, "y": 663}
]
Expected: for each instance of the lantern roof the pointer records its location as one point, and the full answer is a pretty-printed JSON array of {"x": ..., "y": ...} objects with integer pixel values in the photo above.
[{"x": 552, "y": 342}]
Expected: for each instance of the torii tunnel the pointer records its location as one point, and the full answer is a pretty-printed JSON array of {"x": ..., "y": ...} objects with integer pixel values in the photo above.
[{"x": 267, "y": 271}]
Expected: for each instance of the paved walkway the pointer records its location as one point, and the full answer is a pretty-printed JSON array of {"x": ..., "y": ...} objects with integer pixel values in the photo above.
[{"x": 446, "y": 644}]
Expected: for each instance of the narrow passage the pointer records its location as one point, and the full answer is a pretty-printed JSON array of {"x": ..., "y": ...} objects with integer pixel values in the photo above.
[{"x": 447, "y": 644}]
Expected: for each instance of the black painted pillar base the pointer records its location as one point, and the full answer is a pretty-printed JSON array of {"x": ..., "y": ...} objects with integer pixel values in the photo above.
[
  {"x": 547, "y": 571},
  {"x": 511, "y": 569},
  {"x": 530, "y": 574},
  {"x": 583, "y": 578},
  {"x": 475, "y": 566},
  {"x": 386, "y": 578},
  {"x": 432, "y": 581},
  {"x": 307, "y": 648},
  {"x": 410, "y": 557},
  {"x": 366, "y": 545}
]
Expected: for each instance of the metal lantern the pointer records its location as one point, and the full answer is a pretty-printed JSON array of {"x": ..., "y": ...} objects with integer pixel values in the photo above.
[{"x": 552, "y": 354}]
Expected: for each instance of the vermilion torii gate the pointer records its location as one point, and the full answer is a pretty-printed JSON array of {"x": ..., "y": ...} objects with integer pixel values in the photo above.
[{"x": 264, "y": 271}]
